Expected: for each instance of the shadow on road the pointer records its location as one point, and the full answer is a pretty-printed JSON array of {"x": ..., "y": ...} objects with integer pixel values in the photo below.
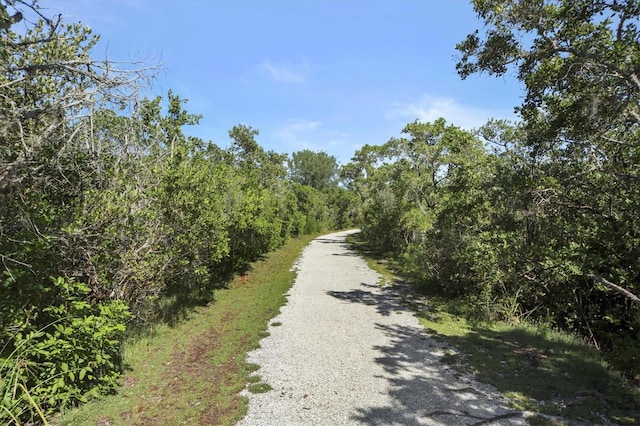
[
  {"x": 385, "y": 302},
  {"x": 340, "y": 242},
  {"x": 331, "y": 241},
  {"x": 423, "y": 390}
]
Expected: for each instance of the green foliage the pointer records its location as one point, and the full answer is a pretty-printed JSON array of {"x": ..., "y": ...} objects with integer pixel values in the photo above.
[
  {"x": 507, "y": 231},
  {"x": 76, "y": 357},
  {"x": 262, "y": 212},
  {"x": 545, "y": 226},
  {"x": 312, "y": 205},
  {"x": 343, "y": 207},
  {"x": 577, "y": 59},
  {"x": 322, "y": 203},
  {"x": 315, "y": 169},
  {"x": 578, "y": 196},
  {"x": 404, "y": 182}
]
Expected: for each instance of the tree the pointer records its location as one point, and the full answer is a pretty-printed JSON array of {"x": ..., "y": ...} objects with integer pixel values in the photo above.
[
  {"x": 404, "y": 183},
  {"x": 107, "y": 208},
  {"x": 579, "y": 60},
  {"x": 315, "y": 169},
  {"x": 258, "y": 198},
  {"x": 580, "y": 64}
]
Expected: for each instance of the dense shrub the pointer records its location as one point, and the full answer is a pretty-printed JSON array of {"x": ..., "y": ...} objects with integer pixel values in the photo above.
[
  {"x": 500, "y": 231},
  {"x": 73, "y": 358}
]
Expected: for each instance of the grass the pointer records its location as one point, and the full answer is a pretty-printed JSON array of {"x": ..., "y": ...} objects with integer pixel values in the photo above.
[
  {"x": 191, "y": 371},
  {"x": 254, "y": 379},
  {"x": 375, "y": 261},
  {"x": 540, "y": 370},
  {"x": 259, "y": 387}
]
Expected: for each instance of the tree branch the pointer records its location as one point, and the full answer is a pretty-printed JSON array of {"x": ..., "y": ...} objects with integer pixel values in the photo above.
[{"x": 623, "y": 291}]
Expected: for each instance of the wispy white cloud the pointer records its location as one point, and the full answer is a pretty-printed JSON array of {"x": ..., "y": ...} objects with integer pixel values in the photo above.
[
  {"x": 285, "y": 73},
  {"x": 430, "y": 108},
  {"x": 297, "y": 134},
  {"x": 300, "y": 134}
]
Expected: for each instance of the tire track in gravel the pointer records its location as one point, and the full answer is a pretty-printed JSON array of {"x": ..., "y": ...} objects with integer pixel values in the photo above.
[{"x": 348, "y": 352}]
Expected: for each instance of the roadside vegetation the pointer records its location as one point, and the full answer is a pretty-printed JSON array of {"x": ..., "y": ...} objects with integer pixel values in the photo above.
[
  {"x": 192, "y": 372},
  {"x": 535, "y": 221},
  {"x": 112, "y": 219},
  {"x": 555, "y": 376}
]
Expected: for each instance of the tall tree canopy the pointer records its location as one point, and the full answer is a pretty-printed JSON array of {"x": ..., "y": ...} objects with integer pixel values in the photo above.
[
  {"x": 579, "y": 61},
  {"x": 315, "y": 169}
]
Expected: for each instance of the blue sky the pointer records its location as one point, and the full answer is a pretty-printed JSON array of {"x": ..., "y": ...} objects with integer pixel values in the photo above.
[{"x": 322, "y": 75}]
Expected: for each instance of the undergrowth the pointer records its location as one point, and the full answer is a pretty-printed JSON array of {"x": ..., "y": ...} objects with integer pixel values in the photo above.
[{"x": 72, "y": 360}]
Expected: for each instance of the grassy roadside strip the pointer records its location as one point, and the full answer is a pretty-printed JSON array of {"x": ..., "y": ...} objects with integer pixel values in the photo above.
[
  {"x": 551, "y": 374},
  {"x": 191, "y": 373}
]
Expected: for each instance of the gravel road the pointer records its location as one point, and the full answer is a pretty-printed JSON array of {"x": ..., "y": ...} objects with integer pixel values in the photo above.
[{"x": 348, "y": 352}]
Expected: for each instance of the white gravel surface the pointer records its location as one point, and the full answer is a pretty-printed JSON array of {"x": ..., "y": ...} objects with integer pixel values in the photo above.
[{"x": 349, "y": 353}]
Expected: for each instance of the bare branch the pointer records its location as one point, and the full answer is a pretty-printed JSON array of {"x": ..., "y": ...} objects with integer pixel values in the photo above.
[{"x": 623, "y": 291}]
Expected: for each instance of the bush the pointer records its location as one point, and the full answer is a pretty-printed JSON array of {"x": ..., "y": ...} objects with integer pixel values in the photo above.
[{"x": 74, "y": 358}]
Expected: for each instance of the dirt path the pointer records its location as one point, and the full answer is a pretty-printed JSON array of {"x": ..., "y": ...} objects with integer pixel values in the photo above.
[{"x": 348, "y": 352}]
